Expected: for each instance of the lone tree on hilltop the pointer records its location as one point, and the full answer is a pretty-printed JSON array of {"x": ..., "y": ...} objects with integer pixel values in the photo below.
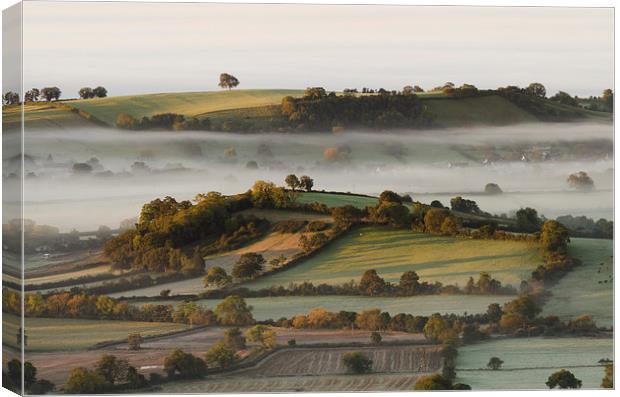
[{"x": 228, "y": 81}]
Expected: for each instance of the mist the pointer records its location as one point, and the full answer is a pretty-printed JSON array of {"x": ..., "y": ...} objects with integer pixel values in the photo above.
[{"x": 530, "y": 162}]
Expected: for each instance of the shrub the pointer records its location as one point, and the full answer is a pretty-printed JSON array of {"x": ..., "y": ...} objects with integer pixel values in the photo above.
[{"x": 357, "y": 362}]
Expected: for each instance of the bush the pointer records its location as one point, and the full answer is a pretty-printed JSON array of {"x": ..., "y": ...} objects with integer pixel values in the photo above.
[{"x": 357, "y": 362}]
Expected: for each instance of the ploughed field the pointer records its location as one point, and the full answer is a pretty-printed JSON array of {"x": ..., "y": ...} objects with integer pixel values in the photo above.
[
  {"x": 528, "y": 362},
  {"x": 392, "y": 252},
  {"x": 321, "y": 369},
  {"x": 424, "y": 305},
  {"x": 589, "y": 288}
]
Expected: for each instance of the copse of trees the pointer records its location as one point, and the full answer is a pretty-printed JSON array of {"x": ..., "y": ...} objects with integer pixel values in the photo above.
[
  {"x": 565, "y": 99},
  {"x": 50, "y": 93},
  {"x": 581, "y": 226},
  {"x": 162, "y": 121},
  {"x": 322, "y": 111},
  {"x": 580, "y": 181},
  {"x": 10, "y": 98}
]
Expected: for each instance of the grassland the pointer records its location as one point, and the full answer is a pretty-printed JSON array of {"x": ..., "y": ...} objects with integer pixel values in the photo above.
[
  {"x": 587, "y": 289},
  {"x": 392, "y": 252},
  {"x": 528, "y": 362},
  {"x": 51, "y": 334},
  {"x": 336, "y": 200},
  {"x": 42, "y": 115},
  {"x": 289, "y": 306},
  {"x": 187, "y": 103}
]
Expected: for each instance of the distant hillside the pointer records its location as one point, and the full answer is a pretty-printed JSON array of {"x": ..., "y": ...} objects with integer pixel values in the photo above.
[{"x": 259, "y": 110}]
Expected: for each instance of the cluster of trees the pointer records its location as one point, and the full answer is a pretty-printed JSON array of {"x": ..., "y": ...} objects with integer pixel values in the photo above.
[
  {"x": 97, "y": 92},
  {"x": 304, "y": 182},
  {"x": 33, "y": 95},
  {"x": 603, "y": 103},
  {"x": 166, "y": 226},
  {"x": 531, "y": 99},
  {"x": 12, "y": 379},
  {"x": 554, "y": 239},
  {"x": 233, "y": 310},
  {"x": 581, "y": 226},
  {"x": 580, "y": 181},
  {"x": 162, "y": 121},
  {"x": 110, "y": 374},
  {"x": 449, "y": 88},
  {"x": 322, "y": 111}
]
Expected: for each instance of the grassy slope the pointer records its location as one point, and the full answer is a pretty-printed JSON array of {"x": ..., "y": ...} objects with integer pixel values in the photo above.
[
  {"x": 186, "y": 103},
  {"x": 42, "y": 115},
  {"x": 49, "y": 334},
  {"x": 587, "y": 289},
  {"x": 523, "y": 359},
  {"x": 392, "y": 252}
]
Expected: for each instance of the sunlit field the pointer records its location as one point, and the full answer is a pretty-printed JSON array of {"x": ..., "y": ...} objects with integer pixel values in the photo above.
[{"x": 392, "y": 252}]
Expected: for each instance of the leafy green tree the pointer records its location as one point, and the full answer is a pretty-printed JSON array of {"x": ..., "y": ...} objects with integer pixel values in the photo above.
[
  {"x": 85, "y": 381},
  {"x": 248, "y": 266},
  {"x": 228, "y": 81},
  {"x": 536, "y": 89},
  {"x": 528, "y": 220},
  {"x": 306, "y": 183},
  {"x": 86, "y": 93},
  {"x": 10, "y": 98},
  {"x": 409, "y": 282},
  {"x": 371, "y": 284},
  {"x": 49, "y": 93},
  {"x": 100, "y": 92},
  {"x": 292, "y": 182},
  {"x": 495, "y": 363},
  {"x": 233, "y": 310},
  {"x": 113, "y": 370},
  {"x": 263, "y": 335},
  {"x": 580, "y": 181},
  {"x": 220, "y": 355},
  {"x": 357, "y": 362},
  {"x": 217, "y": 276},
  {"x": 32, "y": 95},
  {"x": 563, "y": 379},
  {"x": 179, "y": 364},
  {"x": 463, "y": 205}
]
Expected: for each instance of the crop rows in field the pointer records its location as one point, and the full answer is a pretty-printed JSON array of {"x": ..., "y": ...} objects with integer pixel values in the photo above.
[
  {"x": 312, "y": 361},
  {"x": 370, "y": 382}
]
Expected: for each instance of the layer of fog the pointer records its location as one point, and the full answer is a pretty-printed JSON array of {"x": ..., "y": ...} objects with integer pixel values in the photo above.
[{"x": 182, "y": 164}]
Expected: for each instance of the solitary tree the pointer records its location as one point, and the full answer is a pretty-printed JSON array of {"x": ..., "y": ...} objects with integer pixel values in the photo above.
[
  {"x": 234, "y": 311},
  {"x": 563, "y": 379},
  {"x": 32, "y": 95},
  {"x": 306, "y": 183},
  {"x": 292, "y": 181},
  {"x": 262, "y": 335},
  {"x": 216, "y": 276},
  {"x": 10, "y": 98},
  {"x": 248, "y": 265},
  {"x": 357, "y": 362},
  {"x": 100, "y": 92},
  {"x": 495, "y": 363},
  {"x": 536, "y": 89},
  {"x": 228, "y": 81},
  {"x": 580, "y": 181}
]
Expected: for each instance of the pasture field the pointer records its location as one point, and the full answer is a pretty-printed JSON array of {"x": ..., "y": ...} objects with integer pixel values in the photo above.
[
  {"x": 587, "y": 289},
  {"x": 42, "y": 115},
  {"x": 396, "y": 368},
  {"x": 53, "y": 334},
  {"x": 528, "y": 362},
  {"x": 336, "y": 200},
  {"x": 391, "y": 252},
  {"x": 186, "y": 103},
  {"x": 425, "y": 305}
]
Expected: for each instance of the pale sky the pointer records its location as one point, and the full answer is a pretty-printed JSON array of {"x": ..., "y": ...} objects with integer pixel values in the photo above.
[{"x": 135, "y": 48}]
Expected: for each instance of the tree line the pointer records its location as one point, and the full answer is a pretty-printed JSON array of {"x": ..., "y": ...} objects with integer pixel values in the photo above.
[{"x": 53, "y": 93}]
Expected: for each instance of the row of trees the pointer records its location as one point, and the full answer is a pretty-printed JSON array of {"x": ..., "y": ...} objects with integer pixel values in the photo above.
[
  {"x": 52, "y": 93},
  {"x": 97, "y": 92}
]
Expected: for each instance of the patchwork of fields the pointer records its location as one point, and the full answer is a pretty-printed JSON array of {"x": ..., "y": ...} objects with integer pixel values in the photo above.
[
  {"x": 528, "y": 362},
  {"x": 392, "y": 252}
]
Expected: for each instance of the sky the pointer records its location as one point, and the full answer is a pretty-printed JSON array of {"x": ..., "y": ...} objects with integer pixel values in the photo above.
[{"x": 133, "y": 48}]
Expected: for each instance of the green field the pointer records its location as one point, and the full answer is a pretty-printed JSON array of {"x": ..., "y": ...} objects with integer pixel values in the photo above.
[
  {"x": 54, "y": 334},
  {"x": 42, "y": 115},
  {"x": 587, "y": 289},
  {"x": 392, "y": 252},
  {"x": 336, "y": 200},
  {"x": 289, "y": 306},
  {"x": 185, "y": 103},
  {"x": 528, "y": 362}
]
